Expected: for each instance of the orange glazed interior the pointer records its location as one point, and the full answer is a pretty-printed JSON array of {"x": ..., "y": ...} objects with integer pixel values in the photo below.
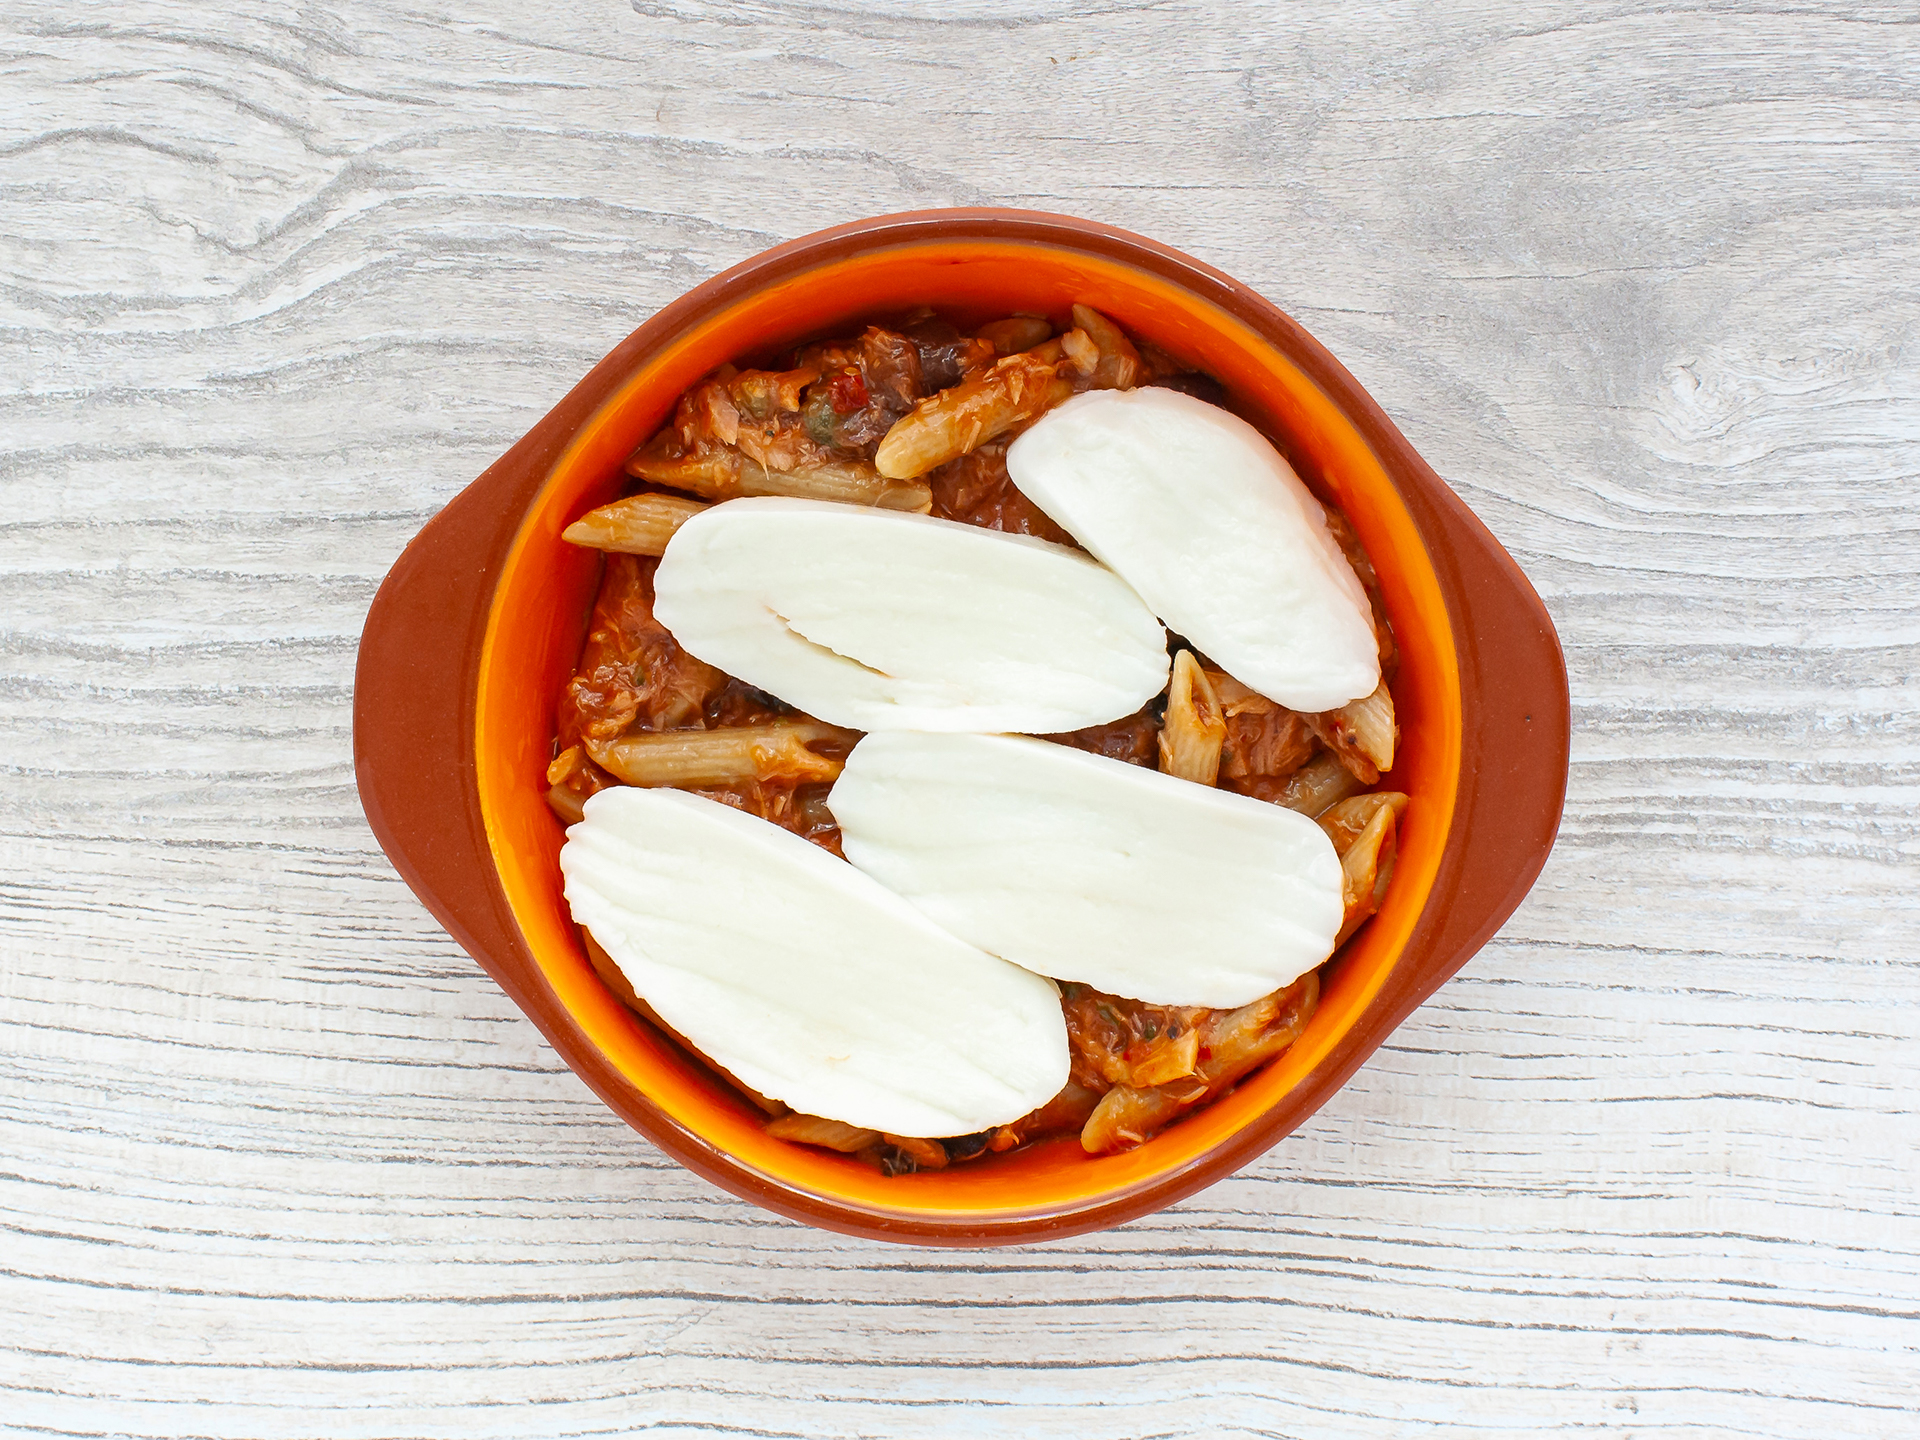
[{"x": 546, "y": 587}]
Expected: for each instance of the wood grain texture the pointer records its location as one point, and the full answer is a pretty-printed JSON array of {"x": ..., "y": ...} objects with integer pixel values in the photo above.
[{"x": 277, "y": 1160}]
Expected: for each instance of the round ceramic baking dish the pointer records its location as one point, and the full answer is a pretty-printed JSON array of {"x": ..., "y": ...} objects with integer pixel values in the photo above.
[{"x": 478, "y": 626}]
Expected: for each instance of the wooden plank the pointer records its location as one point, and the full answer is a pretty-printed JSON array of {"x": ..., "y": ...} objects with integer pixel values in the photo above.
[{"x": 276, "y": 1159}]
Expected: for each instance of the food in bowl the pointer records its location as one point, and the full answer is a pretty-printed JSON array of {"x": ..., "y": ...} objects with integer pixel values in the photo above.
[{"x": 920, "y": 418}]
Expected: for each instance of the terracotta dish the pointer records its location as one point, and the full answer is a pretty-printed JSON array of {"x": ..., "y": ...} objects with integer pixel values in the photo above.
[{"x": 480, "y": 622}]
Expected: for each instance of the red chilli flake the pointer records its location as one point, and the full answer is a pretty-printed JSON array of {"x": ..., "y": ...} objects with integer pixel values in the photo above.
[{"x": 848, "y": 392}]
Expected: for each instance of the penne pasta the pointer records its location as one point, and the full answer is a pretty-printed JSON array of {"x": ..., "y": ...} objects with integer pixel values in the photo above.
[
  {"x": 615, "y": 979},
  {"x": 1235, "y": 1042},
  {"x": 1362, "y": 733},
  {"x": 1194, "y": 730},
  {"x": 1238, "y": 1040},
  {"x": 564, "y": 766},
  {"x": 818, "y": 1130},
  {"x": 700, "y": 759},
  {"x": 1066, "y": 1111},
  {"x": 571, "y": 778},
  {"x": 925, "y": 1154},
  {"x": 847, "y": 482},
  {"x": 722, "y": 474},
  {"x": 946, "y": 425},
  {"x": 1316, "y": 786},
  {"x": 1081, "y": 351},
  {"x": 1345, "y": 821},
  {"x": 1016, "y": 333},
  {"x": 920, "y": 417},
  {"x": 1238, "y": 699},
  {"x": 1366, "y": 868},
  {"x": 1126, "y": 1117},
  {"x": 570, "y": 806},
  {"x": 1051, "y": 352},
  {"x": 637, "y": 525},
  {"x": 1173, "y": 1061},
  {"x": 1118, "y": 365},
  {"x": 710, "y": 474}
]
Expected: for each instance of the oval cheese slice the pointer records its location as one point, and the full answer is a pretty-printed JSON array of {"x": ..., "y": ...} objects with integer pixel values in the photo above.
[
  {"x": 1085, "y": 868},
  {"x": 1194, "y": 508},
  {"x": 804, "y": 977},
  {"x": 882, "y": 620}
]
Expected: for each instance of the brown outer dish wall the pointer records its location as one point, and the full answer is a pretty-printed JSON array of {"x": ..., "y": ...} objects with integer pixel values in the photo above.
[{"x": 416, "y": 683}]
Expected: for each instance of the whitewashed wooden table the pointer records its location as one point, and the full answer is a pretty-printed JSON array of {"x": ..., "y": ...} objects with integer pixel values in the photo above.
[{"x": 276, "y": 1159}]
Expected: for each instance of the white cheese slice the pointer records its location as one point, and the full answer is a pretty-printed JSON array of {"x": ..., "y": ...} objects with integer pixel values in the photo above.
[
  {"x": 1085, "y": 868},
  {"x": 1198, "y": 512},
  {"x": 882, "y": 620},
  {"x": 805, "y": 978}
]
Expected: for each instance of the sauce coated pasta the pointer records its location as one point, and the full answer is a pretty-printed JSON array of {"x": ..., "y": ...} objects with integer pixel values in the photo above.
[{"x": 918, "y": 416}]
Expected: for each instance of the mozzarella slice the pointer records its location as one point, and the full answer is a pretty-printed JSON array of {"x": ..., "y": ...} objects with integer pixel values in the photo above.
[
  {"x": 882, "y": 620},
  {"x": 1085, "y": 868},
  {"x": 802, "y": 976},
  {"x": 1193, "y": 508}
]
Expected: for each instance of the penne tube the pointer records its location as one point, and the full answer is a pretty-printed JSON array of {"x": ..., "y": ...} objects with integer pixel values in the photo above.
[
  {"x": 1345, "y": 822},
  {"x": 1376, "y": 733},
  {"x": 1243, "y": 1038},
  {"x": 849, "y": 482},
  {"x": 1194, "y": 731},
  {"x": 615, "y": 979},
  {"x": 1172, "y": 1061},
  {"x": 1362, "y": 733},
  {"x": 737, "y": 755},
  {"x": 571, "y": 778},
  {"x": 712, "y": 474},
  {"x": 818, "y": 1130},
  {"x": 570, "y": 806},
  {"x": 1066, "y": 1111},
  {"x": 1016, "y": 333},
  {"x": 1316, "y": 786},
  {"x": 564, "y": 766},
  {"x": 637, "y": 525},
  {"x": 946, "y": 425},
  {"x": 721, "y": 474},
  {"x": 1118, "y": 365},
  {"x": 1366, "y": 869},
  {"x": 1127, "y": 1116},
  {"x": 925, "y": 1154},
  {"x": 1081, "y": 351},
  {"x": 1235, "y": 1041},
  {"x": 1238, "y": 699}
]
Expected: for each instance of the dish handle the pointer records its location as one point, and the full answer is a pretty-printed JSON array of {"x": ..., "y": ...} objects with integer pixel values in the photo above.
[
  {"x": 413, "y": 705},
  {"x": 1514, "y": 747}
]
